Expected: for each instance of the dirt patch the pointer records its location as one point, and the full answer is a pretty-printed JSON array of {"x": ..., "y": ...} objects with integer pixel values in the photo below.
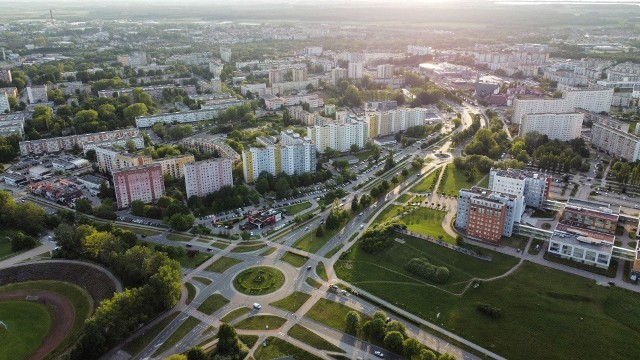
[{"x": 62, "y": 317}]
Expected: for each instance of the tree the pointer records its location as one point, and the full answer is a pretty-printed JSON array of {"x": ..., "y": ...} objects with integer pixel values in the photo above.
[
  {"x": 91, "y": 155},
  {"x": 352, "y": 322},
  {"x": 394, "y": 341},
  {"x": 375, "y": 329},
  {"x": 177, "y": 357},
  {"x": 411, "y": 347},
  {"x": 355, "y": 148},
  {"x": 131, "y": 146},
  {"x": 196, "y": 353},
  {"x": 21, "y": 241},
  {"x": 282, "y": 188},
  {"x": 446, "y": 356},
  {"x": 83, "y": 205},
  {"x": 137, "y": 207},
  {"x": 397, "y": 326},
  {"x": 426, "y": 354},
  {"x": 320, "y": 231},
  {"x": 181, "y": 222},
  {"x": 132, "y": 111},
  {"x": 228, "y": 343}
]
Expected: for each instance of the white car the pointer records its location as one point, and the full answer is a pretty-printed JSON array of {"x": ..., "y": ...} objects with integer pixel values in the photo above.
[
  {"x": 257, "y": 306},
  {"x": 378, "y": 353}
]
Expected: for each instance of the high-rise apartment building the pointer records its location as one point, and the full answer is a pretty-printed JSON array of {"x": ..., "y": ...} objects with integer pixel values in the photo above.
[
  {"x": 563, "y": 127},
  {"x": 383, "y": 123},
  {"x": 339, "y": 136},
  {"x": 486, "y": 215},
  {"x": 532, "y": 187},
  {"x": 355, "y": 70},
  {"x": 135, "y": 60},
  {"x": 37, "y": 94},
  {"x": 5, "y": 75},
  {"x": 225, "y": 54},
  {"x": 174, "y": 166},
  {"x": 612, "y": 136},
  {"x": 144, "y": 183},
  {"x": 299, "y": 74},
  {"x": 593, "y": 100},
  {"x": 110, "y": 160},
  {"x": 337, "y": 75},
  {"x": 4, "y": 103},
  {"x": 385, "y": 71},
  {"x": 204, "y": 177}
]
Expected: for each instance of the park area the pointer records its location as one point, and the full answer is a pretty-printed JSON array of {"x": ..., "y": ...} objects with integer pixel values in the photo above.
[
  {"x": 454, "y": 179},
  {"x": 421, "y": 220},
  {"x": 541, "y": 309}
]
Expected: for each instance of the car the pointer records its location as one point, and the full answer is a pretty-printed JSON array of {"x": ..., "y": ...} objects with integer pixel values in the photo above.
[
  {"x": 309, "y": 267},
  {"x": 188, "y": 245},
  {"x": 257, "y": 306},
  {"x": 360, "y": 214},
  {"x": 378, "y": 353},
  {"x": 209, "y": 249},
  {"x": 143, "y": 235}
]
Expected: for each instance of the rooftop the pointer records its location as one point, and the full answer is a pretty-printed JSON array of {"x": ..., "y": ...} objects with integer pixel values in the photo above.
[{"x": 585, "y": 238}]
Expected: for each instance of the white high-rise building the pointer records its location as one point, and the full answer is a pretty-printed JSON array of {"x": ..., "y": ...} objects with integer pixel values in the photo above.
[
  {"x": 225, "y": 54},
  {"x": 204, "y": 177},
  {"x": 563, "y": 127},
  {"x": 339, "y": 137},
  {"x": 385, "y": 71},
  {"x": 613, "y": 137},
  {"x": 532, "y": 187},
  {"x": 337, "y": 75},
  {"x": 593, "y": 100},
  {"x": 355, "y": 70}
]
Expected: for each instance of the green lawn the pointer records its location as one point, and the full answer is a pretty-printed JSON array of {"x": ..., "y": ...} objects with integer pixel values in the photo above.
[
  {"x": 454, "y": 180},
  {"x": 139, "y": 343},
  {"x": 484, "y": 183},
  {"x": 193, "y": 261},
  {"x": 248, "y": 340},
  {"x": 191, "y": 292},
  {"x": 313, "y": 282},
  {"x": 363, "y": 269},
  {"x": 269, "y": 251},
  {"x": 312, "y": 243},
  {"x": 321, "y": 271},
  {"x": 177, "y": 335},
  {"x": 5, "y": 243},
  {"x": 260, "y": 322},
  {"x": 203, "y": 280},
  {"x": 403, "y": 198},
  {"x": 310, "y": 338},
  {"x": 259, "y": 280},
  {"x": 334, "y": 251},
  {"x": 141, "y": 231},
  {"x": 425, "y": 184},
  {"x": 294, "y": 209},
  {"x": 428, "y": 222},
  {"x": 248, "y": 248},
  {"x": 294, "y": 259},
  {"x": 611, "y": 271},
  {"x": 179, "y": 237},
  {"x": 277, "y": 348},
  {"x": 332, "y": 314},
  {"x": 235, "y": 314},
  {"x": 79, "y": 298},
  {"x": 293, "y": 302},
  {"x": 223, "y": 264},
  {"x": 212, "y": 304},
  {"x": 27, "y": 325}
]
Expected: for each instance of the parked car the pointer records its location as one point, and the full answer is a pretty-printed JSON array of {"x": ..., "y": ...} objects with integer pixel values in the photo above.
[{"x": 257, "y": 306}]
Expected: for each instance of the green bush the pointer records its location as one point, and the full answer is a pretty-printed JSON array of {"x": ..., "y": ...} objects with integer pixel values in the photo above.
[{"x": 423, "y": 268}]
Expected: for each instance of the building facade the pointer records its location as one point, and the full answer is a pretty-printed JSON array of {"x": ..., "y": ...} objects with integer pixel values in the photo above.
[
  {"x": 593, "y": 100},
  {"x": 563, "y": 127},
  {"x": 204, "y": 177},
  {"x": 339, "y": 136},
  {"x": 82, "y": 141},
  {"x": 355, "y": 70},
  {"x": 174, "y": 166},
  {"x": 37, "y": 94},
  {"x": 486, "y": 215},
  {"x": 532, "y": 187},
  {"x": 143, "y": 183},
  {"x": 612, "y": 137}
]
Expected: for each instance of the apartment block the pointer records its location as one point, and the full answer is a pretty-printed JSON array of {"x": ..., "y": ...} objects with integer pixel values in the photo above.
[
  {"x": 110, "y": 160},
  {"x": 593, "y": 100},
  {"x": 83, "y": 141},
  {"x": 384, "y": 71},
  {"x": 486, "y": 215},
  {"x": 212, "y": 145},
  {"x": 257, "y": 160},
  {"x": 135, "y": 60},
  {"x": 384, "y": 123},
  {"x": 339, "y": 136},
  {"x": 532, "y": 187},
  {"x": 186, "y": 116},
  {"x": 5, "y": 75},
  {"x": 586, "y": 232},
  {"x": 563, "y": 127},
  {"x": 204, "y": 177},
  {"x": 273, "y": 103},
  {"x": 225, "y": 54},
  {"x": 174, "y": 166},
  {"x": 355, "y": 70},
  {"x": 611, "y": 136},
  {"x": 138, "y": 183},
  {"x": 313, "y": 50},
  {"x": 337, "y": 75},
  {"x": 4, "y": 103},
  {"x": 37, "y": 94}
]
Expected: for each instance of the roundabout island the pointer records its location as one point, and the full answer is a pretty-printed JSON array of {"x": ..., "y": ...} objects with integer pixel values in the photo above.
[{"x": 259, "y": 280}]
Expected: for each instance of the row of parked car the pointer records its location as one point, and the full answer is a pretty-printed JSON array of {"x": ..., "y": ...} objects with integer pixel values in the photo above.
[{"x": 137, "y": 221}]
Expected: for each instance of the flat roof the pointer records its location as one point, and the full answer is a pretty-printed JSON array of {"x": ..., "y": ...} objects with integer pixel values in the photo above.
[{"x": 595, "y": 235}]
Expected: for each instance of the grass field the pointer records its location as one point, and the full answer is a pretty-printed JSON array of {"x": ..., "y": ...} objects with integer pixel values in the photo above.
[
  {"x": 294, "y": 259},
  {"x": 259, "y": 280},
  {"x": 332, "y": 314},
  {"x": 421, "y": 220},
  {"x": 321, "y": 271},
  {"x": 79, "y": 298},
  {"x": 260, "y": 322},
  {"x": 313, "y": 283},
  {"x": 248, "y": 248},
  {"x": 277, "y": 348},
  {"x": 454, "y": 180},
  {"x": 294, "y": 209},
  {"x": 27, "y": 324},
  {"x": 212, "y": 304},
  {"x": 310, "y": 338},
  {"x": 268, "y": 252},
  {"x": 293, "y": 301},
  {"x": 425, "y": 184},
  {"x": 5, "y": 243},
  {"x": 140, "y": 231},
  {"x": 179, "y": 237},
  {"x": 191, "y": 292},
  {"x": 334, "y": 251},
  {"x": 203, "y": 280},
  {"x": 312, "y": 243},
  {"x": 139, "y": 343},
  {"x": 234, "y": 314},
  {"x": 223, "y": 264},
  {"x": 180, "y": 332},
  {"x": 363, "y": 269},
  {"x": 194, "y": 261},
  {"x": 403, "y": 198},
  {"x": 248, "y": 340}
]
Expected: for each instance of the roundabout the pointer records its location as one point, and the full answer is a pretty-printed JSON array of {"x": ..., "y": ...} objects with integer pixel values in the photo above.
[{"x": 259, "y": 280}]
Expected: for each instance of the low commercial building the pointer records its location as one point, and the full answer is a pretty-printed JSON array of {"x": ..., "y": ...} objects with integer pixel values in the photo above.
[
  {"x": 487, "y": 215},
  {"x": 204, "y": 177},
  {"x": 144, "y": 183},
  {"x": 39, "y": 172},
  {"x": 264, "y": 218},
  {"x": 14, "y": 179},
  {"x": 91, "y": 182},
  {"x": 581, "y": 245}
]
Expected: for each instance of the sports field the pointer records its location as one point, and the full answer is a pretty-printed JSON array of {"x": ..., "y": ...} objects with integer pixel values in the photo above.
[{"x": 23, "y": 327}]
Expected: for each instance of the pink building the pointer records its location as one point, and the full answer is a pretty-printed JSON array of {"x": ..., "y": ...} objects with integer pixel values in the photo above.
[{"x": 144, "y": 183}]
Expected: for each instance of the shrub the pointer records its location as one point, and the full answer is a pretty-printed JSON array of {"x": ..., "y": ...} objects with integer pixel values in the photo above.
[
  {"x": 423, "y": 268},
  {"x": 489, "y": 310}
]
